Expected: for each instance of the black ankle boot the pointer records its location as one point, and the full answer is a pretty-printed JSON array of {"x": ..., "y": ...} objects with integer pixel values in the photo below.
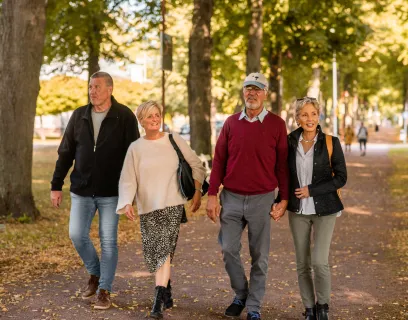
[
  {"x": 157, "y": 309},
  {"x": 310, "y": 313},
  {"x": 167, "y": 299},
  {"x": 322, "y": 311}
]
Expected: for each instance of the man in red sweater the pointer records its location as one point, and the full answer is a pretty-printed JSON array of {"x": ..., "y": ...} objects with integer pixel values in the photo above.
[{"x": 250, "y": 162}]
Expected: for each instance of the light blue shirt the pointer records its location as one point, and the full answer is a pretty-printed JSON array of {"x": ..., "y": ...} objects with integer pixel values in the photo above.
[{"x": 259, "y": 117}]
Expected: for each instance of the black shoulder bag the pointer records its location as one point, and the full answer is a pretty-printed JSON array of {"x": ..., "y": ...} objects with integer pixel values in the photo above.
[{"x": 185, "y": 177}]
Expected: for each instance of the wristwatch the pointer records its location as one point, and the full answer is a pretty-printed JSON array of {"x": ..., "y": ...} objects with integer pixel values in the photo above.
[{"x": 201, "y": 190}]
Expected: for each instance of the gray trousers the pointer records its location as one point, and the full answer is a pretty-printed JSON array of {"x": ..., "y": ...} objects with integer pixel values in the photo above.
[
  {"x": 237, "y": 212},
  {"x": 316, "y": 259}
]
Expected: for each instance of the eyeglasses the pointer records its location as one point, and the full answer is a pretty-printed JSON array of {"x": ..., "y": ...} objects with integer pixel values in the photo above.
[
  {"x": 253, "y": 88},
  {"x": 304, "y": 98}
]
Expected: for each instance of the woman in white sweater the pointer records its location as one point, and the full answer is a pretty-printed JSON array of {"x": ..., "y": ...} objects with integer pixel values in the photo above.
[{"x": 149, "y": 176}]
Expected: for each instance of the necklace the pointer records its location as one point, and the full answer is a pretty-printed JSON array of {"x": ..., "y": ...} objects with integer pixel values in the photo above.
[{"x": 308, "y": 140}]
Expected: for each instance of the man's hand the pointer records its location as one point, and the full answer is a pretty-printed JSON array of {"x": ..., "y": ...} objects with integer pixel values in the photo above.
[
  {"x": 56, "y": 198},
  {"x": 278, "y": 210},
  {"x": 130, "y": 212},
  {"x": 213, "y": 208}
]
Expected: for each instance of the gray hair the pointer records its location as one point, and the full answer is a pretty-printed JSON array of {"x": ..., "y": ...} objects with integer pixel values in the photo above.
[
  {"x": 104, "y": 75},
  {"x": 143, "y": 110},
  {"x": 300, "y": 103}
]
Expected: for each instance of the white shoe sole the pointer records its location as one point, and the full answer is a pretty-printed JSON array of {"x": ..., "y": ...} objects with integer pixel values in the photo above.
[{"x": 101, "y": 308}]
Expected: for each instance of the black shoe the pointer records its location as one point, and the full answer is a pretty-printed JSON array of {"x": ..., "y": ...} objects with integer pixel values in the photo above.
[
  {"x": 167, "y": 299},
  {"x": 253, "y": 316},
  {"x": 235, "y": 308},
  {"x": 157, "y": 309},
  {"x": 310, "y": 314},
  {"x": 322, "y": 311}
]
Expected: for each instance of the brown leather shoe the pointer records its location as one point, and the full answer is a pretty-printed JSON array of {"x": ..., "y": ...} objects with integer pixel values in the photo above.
[
  {"x": 103, "y": 301},
  {"x": 92, "y": 287}
]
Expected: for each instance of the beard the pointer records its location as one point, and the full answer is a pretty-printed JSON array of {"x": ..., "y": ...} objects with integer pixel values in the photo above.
[{"x": 252, "y": 105}]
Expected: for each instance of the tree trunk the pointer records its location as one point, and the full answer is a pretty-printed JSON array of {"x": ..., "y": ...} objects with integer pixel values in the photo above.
[
  {"x": 254, "y": 51},
  {"x": 275, "y": 65},
  {"x": 95, "y": 40},
  {"x": 253, "y": 57},
  {"x": 314, "y": 89},
  {"x": 405, "y": 92},
  {"x": 348, "y": 82},
  {"x": 199, "y": 77},
  {"x": 22, "y": 33}
]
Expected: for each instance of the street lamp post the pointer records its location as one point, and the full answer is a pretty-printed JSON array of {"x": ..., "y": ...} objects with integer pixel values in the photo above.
[
  {"x": 335, "y": 131},
  {"x": 405, "y": 117}
]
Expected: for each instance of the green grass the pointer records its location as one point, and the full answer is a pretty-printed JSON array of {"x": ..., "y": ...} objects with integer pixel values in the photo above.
[
  {"x": 399, "y": 193},
  {"x": 28, "y": 250}
]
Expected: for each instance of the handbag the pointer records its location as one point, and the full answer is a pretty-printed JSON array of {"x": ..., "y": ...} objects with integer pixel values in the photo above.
[
  {"x": 185, "y": 177},
  {"x": 329, "y": 145}
]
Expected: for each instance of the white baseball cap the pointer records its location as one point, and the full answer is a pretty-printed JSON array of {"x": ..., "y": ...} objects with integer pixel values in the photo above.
[{"x": 256, "y": 79}]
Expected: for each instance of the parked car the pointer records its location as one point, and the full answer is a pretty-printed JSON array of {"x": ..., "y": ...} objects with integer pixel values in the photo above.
[
  {"x": 185, "y": 128},
  {"x": 218, "y": 126}
]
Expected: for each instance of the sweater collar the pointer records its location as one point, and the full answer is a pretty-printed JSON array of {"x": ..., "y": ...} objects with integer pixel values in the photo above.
[
  {"x": 259, "y": 117},
  {"x": 112, "y": 113}
]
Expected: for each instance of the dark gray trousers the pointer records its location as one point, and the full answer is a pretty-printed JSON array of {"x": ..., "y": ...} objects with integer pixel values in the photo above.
[{"x": 239, "y": 211}]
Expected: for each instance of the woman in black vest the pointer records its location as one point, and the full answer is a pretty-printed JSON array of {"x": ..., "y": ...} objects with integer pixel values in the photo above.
[{"x": 314, "y": 204}]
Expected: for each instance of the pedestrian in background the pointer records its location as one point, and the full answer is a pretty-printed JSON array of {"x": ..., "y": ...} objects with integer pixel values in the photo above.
[
  {"x": 348, "y": 138},
  {"x": 362, "y": 137}
]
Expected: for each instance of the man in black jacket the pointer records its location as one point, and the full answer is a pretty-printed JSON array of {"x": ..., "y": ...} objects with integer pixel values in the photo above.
[{"x": 97, "y": 138}]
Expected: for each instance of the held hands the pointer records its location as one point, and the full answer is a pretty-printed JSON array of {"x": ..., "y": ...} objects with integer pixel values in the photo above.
[
  {"x": 213, "y": 208},
  {"x": 278, "y": 210},
  {"x": 130, "y": 212},
  {"x": 196, "y": 201},
  {"x": 56, "y": 198},
  {"x": 302, "y": 193}
]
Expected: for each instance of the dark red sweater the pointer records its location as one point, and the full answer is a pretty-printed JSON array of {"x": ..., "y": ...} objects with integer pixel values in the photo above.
[{"x": 251, "y": 157}]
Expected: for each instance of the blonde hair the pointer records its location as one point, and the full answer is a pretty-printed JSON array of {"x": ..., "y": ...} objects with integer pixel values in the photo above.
[
  {"x": 300, "y": 103},
  {"x": 146, "y": 107}
]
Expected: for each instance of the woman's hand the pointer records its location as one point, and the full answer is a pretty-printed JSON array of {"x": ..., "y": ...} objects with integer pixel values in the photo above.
[
  {"x": 196, "y": 201},
  {"x": 130, "y": 213},
  {"x": 302, "y": 193},
  {"x": 278, "y": 210}
]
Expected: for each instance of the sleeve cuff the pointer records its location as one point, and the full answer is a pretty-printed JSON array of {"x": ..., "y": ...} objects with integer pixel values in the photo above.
[{"x": 56, "y": 187}]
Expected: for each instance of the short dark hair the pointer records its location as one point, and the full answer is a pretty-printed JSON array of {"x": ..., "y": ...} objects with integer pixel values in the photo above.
[{"x": 105, "y": 75}]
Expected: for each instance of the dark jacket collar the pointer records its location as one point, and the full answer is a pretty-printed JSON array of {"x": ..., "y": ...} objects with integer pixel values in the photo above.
[{"x": 112, "y": 113}]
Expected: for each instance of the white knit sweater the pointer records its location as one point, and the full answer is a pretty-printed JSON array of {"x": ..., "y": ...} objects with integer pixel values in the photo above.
[{"x": 149, "y": 174}]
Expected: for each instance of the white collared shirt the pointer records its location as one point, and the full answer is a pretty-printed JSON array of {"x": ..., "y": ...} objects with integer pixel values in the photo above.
[
  {"x": 304, "y": 168},
  {"x": 259, "y": 117}
]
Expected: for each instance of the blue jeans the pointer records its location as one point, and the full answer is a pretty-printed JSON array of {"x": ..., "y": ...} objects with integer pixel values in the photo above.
[{"x": 83, "y": 210}]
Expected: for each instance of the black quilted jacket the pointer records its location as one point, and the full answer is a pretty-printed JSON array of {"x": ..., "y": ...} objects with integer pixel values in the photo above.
[{"x": 324, "y": 185}]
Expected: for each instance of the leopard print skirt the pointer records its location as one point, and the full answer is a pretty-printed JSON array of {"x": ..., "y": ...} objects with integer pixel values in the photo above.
[{"x": 160, "y": 229}]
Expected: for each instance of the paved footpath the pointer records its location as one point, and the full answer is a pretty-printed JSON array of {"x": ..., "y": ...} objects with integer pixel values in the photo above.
[{"x": 364, "y": 273}]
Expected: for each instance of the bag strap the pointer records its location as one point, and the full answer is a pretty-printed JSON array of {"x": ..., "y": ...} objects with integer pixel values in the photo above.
[
  {"x": 175, "y": 146},
  {"x": 329, "y": 145}
]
